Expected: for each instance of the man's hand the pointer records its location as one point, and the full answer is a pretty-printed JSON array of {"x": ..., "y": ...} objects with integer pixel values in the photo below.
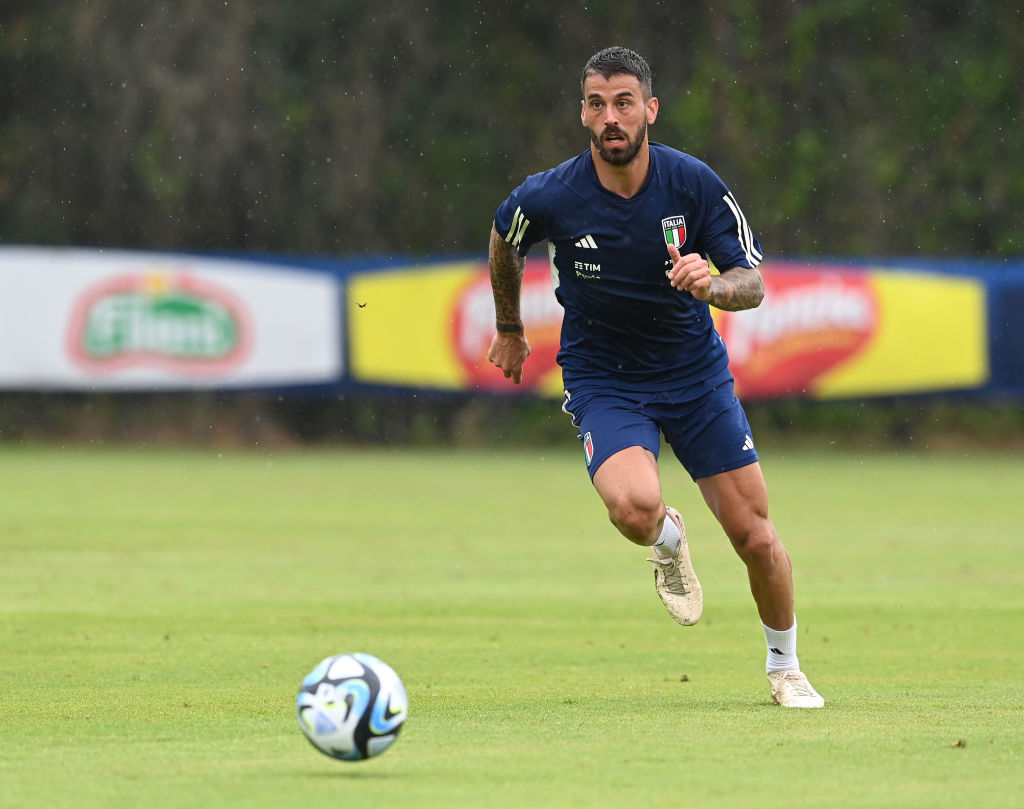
[
  {"x": 508, "y": 352},
  {"x": 733, "y": 290},
  {"x": 689, "y": 273}
]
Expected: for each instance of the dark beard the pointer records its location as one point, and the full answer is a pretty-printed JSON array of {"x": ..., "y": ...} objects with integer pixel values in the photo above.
[{"x": 620, "y": 157}]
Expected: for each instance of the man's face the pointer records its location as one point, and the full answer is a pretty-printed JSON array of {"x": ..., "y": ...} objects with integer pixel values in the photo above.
[{"x": 616, "y": 115}]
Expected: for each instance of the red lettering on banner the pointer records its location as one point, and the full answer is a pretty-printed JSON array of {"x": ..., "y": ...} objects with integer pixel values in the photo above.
[
  {"x": 811, "y": 321},
  {"x": 473, "y": 328}
]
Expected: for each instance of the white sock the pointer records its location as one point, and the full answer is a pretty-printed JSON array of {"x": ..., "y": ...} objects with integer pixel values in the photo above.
[
  {"x": 781, "y": 648},
  {"x": 668, "y": 541}
]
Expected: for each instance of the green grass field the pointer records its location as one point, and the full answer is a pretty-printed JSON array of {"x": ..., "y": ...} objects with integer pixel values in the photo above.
[{"x": 159, "y": 609}]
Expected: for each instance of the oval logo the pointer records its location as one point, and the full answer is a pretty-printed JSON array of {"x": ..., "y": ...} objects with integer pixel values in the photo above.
[{"x": 167, "y": 320}]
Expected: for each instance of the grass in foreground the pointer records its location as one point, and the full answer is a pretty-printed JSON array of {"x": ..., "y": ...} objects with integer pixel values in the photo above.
[{"x": 161, "y": 607}]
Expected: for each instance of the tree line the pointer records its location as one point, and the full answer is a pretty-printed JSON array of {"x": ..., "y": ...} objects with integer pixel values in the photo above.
[{"x": 844, "y": 127}]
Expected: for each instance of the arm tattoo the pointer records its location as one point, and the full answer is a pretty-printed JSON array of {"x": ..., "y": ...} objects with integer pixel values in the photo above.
[
  {"x": 737, "y": 289},
  {"x": 506, "y": 278}
]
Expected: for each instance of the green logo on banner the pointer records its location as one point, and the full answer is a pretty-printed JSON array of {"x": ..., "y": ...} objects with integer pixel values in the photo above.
[
  {"x": 171, "y": 321},
  {"x": 170, "y": 325}
]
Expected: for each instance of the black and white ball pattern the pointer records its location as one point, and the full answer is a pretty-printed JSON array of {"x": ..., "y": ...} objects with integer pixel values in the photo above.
[{"x": 352, "y": 706}]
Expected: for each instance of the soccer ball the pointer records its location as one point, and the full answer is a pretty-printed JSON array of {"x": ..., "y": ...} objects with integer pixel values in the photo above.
[{"x": 352, "y": 706}]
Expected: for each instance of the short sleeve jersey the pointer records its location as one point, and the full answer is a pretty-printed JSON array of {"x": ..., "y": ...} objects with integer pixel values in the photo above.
[{"x": 624, "y": 324}]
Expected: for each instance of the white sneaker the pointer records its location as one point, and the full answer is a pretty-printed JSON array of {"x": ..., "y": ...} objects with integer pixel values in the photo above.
[
  {"x": 792, "y": 690},
  {"x": 675, "y": 580}
]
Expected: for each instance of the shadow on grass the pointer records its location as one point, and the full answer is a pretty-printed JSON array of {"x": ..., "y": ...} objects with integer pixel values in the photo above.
[{"x": 351, "y": 772}]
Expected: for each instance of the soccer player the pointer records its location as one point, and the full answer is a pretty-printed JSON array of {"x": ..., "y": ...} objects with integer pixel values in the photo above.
[{"x": 630, "y": 226}]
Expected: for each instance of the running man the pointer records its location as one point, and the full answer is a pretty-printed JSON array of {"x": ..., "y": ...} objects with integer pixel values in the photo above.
[{"x": 631, "y": 226}]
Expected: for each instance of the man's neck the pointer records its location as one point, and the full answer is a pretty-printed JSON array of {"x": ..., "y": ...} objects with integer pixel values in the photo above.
[{"x": 626, "y": 180}]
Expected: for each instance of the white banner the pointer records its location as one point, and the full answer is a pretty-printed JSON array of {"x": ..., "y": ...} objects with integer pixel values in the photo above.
[{"x": 90, "y": 319}]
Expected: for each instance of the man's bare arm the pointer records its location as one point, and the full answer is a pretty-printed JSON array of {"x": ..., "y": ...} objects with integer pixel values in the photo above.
[
  {"x": 506, "y": 279},
  {"x": 736, "y": 289},
  {"x": 509, "y": 347}
]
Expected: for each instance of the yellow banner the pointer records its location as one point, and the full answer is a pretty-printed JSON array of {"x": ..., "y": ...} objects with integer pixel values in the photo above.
[
  {"x": 932, "y": 335},
  {"x": 833, "y": 332},
  {"x": 400, "y": 326},
  {"x": 431, "y": 326},
  {"x": 823, "y": 331}
]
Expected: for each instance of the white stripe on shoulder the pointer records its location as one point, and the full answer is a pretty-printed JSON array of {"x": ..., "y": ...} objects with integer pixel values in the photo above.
[
  {"x": 519, "y": 225},
  {"x": 743, "y": 231}
]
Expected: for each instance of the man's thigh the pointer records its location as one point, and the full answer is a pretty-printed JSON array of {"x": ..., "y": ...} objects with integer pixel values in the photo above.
[
  {"x": 738, "y": 498},
  {"x": 629, "y": 478},
  {"x": 609, "y": 422}
]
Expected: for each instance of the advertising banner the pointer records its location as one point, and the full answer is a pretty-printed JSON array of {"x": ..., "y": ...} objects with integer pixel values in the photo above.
[
  {"x": 832, "y": 332},
  {"x": 109, "y": 320},
  {"x": 822, "y": 331},
  {"x": 75, "y": 319},
  {"x": 431, "y": 326}
]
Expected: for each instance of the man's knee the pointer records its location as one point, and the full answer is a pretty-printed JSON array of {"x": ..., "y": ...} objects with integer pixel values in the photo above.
[
  {"x": 756, "y": 542},
  {"x": 629, "y": 486},
  {"x": 637, "y": 519}
]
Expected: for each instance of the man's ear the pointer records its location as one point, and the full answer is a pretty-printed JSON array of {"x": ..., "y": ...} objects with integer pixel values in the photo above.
[{"x": 652, "y": 110}]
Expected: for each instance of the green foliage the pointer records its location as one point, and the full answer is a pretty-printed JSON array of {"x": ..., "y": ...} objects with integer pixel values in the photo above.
[
  {"x": 161, "y": 608},
  {"x": 845, "y": 127}
]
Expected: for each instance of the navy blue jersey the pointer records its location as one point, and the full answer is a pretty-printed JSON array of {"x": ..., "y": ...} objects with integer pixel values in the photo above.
[{"x": 623, "y": 321}]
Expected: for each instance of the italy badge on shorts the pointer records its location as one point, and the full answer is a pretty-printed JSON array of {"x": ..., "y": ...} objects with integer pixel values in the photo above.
[
  {"x": 588, "y": 448},
  {"x": 675, "y": 230}
]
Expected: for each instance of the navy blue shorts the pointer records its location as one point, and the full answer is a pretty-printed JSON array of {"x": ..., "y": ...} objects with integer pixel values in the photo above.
[{"x": 708, "y": 435}]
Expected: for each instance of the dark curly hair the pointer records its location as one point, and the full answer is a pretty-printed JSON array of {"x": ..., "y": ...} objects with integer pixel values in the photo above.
[{"x": 616, "y": 61}]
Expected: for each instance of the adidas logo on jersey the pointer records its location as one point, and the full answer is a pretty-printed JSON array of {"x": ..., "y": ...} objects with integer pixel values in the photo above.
[
  {"x": 587, "y": 242},
  {"x": 749, "y": 443}
]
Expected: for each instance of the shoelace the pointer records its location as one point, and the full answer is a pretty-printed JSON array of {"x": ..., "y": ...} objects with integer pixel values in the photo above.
[
  {"x": 799, "y": 685},
  {"x": 673, "y": 578}
]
